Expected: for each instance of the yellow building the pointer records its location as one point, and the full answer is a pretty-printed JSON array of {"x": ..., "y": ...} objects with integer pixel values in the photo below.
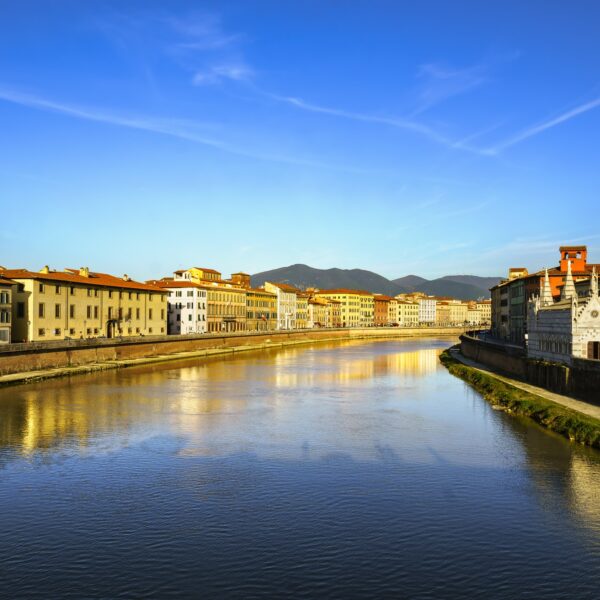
[
  {"x": 334, "y": 313},
  {"x": 442, "y": 313},
  {"x": 485, "y": 308},
  {"x": 393, "y": 311},
  {"x": 318, "y": 312},
  {"x": 356, "y": 306},
  {"x": 261, "y": 310},
  {"x": 302, "y": 316},
  {"x": 7, "y": 289},
  {"x": 458, "y": 312},
  {"x": 408, "y": 313},
  {"x": 78, "y": 303}
]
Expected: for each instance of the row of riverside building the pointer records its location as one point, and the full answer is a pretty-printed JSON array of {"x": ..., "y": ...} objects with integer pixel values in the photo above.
[
  {"x": 37, "y": 306},
  {"x": 554, "y": 313}
]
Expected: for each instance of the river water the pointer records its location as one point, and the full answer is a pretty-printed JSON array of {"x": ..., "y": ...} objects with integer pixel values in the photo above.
[{"x": 349, "y": 470}]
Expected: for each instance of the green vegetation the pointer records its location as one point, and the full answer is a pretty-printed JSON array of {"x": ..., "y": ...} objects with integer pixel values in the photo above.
[{"x": 569, "y": 423}]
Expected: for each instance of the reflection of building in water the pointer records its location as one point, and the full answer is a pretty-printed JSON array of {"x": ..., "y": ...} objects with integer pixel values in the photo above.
[
  {"x": 343, "y": 370},
  {"x": 585, "y": 487}
]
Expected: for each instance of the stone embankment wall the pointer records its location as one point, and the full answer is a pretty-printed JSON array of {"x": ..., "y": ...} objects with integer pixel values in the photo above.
[
  {"x": 581, "y": 380},
  {"x": 22, "y": 358}
]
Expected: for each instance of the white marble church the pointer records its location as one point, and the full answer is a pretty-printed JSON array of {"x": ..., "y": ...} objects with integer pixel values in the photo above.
[{"x": 559, "y": 331}]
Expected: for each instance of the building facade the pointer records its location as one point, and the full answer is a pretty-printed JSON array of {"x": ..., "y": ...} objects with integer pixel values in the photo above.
[
  {"x": 225, "y": 300},
  {"x": 511, "y": 297},
  {"x": 408, "y": 313},
  {"x": 7, "y": 290},
  {"x": 287, "y": 304},
  {"x": 559, "y": 330},
  {"x": 261, "y": 310},
  {"x": 381, "y": 310},
  {"x": 356, "y": 306},
  {"x": 186, "y": 307},
  {"x": 78, "y": 303},
  {"x": 302, "y": 316}
]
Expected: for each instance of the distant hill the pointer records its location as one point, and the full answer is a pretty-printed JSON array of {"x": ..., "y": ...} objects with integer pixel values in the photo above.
[
  {"x": 303, "y": 276},
  {"x": 412, "y": 282},
  {"x": 464, "y": 287}
]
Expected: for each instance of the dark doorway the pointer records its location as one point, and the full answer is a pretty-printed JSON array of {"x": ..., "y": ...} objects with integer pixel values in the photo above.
[
  {"x": 111, "y": 327},
  {"x": 593, "y": 350}
]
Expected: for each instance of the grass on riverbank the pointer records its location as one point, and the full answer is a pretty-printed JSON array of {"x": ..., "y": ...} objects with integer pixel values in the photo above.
[{"x": 569, "y": 423}]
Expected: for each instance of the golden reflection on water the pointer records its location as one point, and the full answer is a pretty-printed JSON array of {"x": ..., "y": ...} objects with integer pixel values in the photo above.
[
  {"x": 43, "y": 416},
  {"x": 329, "y": 369},
  {"x": 209, "y": 403}
]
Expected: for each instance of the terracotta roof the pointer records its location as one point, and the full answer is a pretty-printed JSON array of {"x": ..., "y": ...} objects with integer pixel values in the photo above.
[
  {"x": 517, "y": 269},
  {"x": 285, "y": 287},
  {"x": 345, "y": 291},
  {"x": 6, "y": 281},
  {"x": 205, "y": 270},
  {"x": 72, "y": 276},
  {"x": 174, "y": 283},
  {"x": 260, "y": 291},
  {"x": 384, "y": 298}
]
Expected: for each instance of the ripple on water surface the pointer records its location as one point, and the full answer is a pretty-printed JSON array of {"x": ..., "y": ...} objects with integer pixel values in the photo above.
[{"x": 330, "y": 471}]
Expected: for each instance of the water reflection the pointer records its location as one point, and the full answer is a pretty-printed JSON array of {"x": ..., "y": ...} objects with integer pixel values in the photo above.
[{"x": 329, "y": 471}]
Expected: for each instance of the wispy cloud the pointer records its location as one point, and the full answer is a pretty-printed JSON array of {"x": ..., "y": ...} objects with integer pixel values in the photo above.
[
  {"x": 188, "y": 130},
  {"x": 537, "y": 129},
  {"x": 406, "y": 124},
  {"x": 202, "y": 31},
  {"x": 440, "y": 82},
  {"x": 218, "y": 73}
]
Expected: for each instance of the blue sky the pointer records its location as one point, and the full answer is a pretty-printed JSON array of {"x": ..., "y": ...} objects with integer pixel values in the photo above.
[{"x": 427, "y": 137}]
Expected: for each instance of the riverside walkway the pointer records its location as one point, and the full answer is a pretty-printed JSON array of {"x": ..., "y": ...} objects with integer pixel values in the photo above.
[{"x": 583, "y": 407}]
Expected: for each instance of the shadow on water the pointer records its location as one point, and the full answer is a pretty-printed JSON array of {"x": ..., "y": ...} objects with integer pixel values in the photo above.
[{"x": 340, "y": 470}]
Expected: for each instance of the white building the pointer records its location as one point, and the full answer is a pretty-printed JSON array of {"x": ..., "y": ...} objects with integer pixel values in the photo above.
[
  {"x": 287, "y": 303},
  {"x": 427, "y": 310},
  {"x": 570, "y": 327},
  {"x": 186, "y": 307}
]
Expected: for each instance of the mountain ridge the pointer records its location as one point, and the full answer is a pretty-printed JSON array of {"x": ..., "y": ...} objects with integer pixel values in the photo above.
[{"x": 463, "y": 287}]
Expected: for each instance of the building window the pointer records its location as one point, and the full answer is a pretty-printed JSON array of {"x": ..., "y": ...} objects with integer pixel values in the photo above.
[
  {"x": 20, "y": 287},
  {"x": 72, "y": 291},
  {"x": 95, "y": 330},
  {"x": 41, "y": 310},
  {"x": 4, "y": 316},
  {"x": 137, "y": 313},
  {"x": 150, "y": 313},
  {"x": 110, "y": 293},
  {"x": 150, "y": 330},
  {"x": 110, "y": 312},
  {"x": 71, "y": 332},
  {"x": 42, "y": 288},
  {"x": 57, "y": 311},
  {"x": 21, "y": 310},
  {"x": 41, "y": 332},
  {"x": 162, "y": 329},
  {"x": 72, "y": 311},
  {"x": 57, "y": 331},
  {"x": 95, "y": 293},
  {"x": 57, "y": 288},
  {"x": 89, "y": 292},
  {"x": 89, "y": 312},
  {"x": 162, "y": 313},
  {"x": 95, "y": 312}
]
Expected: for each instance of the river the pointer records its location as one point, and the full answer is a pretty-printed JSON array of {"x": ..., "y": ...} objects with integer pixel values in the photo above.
[{"x": 343, "y": 470}]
